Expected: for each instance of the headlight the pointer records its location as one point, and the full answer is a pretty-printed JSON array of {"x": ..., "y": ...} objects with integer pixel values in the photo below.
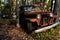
[
  {"x": 51, "y": 15},
  {"x": 38, "y": 16}
]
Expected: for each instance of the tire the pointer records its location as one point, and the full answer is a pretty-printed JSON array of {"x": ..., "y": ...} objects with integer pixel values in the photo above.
[{"x": 29, "y": 27}]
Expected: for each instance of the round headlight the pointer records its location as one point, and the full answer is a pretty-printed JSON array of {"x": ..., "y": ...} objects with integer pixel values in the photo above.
[
  {"x": 38, "y": 16},
  {"x": 51, "y": 15}
]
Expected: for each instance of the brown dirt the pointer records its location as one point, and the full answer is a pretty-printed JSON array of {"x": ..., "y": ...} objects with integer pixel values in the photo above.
[{"x": 11, "y": 32}]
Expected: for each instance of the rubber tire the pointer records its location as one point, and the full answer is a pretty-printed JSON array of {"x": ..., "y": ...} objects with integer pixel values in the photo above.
[{"x": 29, "y": 27}]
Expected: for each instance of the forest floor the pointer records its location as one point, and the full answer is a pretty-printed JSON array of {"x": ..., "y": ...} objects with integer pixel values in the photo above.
[{"x": 9, "y": 31}]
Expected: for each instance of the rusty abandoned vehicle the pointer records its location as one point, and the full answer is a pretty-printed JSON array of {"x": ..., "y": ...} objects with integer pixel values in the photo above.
[{"x": 35, "y": 17}]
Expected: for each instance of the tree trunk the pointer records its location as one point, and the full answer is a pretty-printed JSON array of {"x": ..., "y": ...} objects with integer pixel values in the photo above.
[
  {"x": 57, "y": 7},
  {"x": 17, "y": 12}
]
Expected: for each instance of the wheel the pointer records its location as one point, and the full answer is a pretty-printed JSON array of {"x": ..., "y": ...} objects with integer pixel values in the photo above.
[{"x": 29, "y": 27}]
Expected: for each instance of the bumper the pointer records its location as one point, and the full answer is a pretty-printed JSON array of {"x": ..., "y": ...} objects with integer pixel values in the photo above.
[{"x": 46, "y": 28}]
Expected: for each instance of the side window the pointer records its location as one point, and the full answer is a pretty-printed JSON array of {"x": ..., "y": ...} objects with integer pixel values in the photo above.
[{"x": 28, "y": 8}]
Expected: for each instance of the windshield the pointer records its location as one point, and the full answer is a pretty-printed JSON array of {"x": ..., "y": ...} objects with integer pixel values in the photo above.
[
  {"x": 46, "y": 5},
  {"x": 29, "y": 8}
]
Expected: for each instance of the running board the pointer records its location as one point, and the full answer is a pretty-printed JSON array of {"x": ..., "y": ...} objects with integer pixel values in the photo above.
[{"x": 46, "y": 28}]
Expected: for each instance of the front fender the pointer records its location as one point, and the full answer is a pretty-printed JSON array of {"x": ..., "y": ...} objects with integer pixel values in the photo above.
[{"x": 36, "y": 20}]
